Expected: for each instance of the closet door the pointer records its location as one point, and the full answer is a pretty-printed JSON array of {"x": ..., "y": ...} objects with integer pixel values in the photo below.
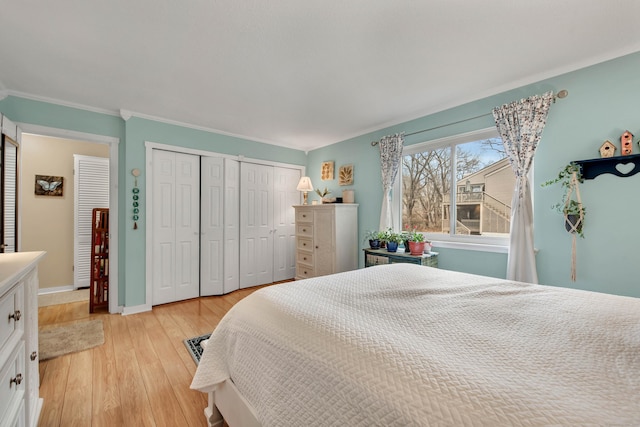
[
  {"x": 256, "y": 224},
  {"x": 176, "y": 226},
  {"x": 212, "y": 226},
  {"x": 285, "y": 196},
  {"x": 231, "y": 225},
  {"x": 219, "y": 240}
]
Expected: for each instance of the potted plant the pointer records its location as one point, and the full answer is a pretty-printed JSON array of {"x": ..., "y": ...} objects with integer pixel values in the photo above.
[
  {"x": 372, "y": 237},
  {"x": 393, "y": 240},
  {"x": 417, "y": 242},
  {"x": 323, "y": 193},
  {"x": 384, "y": 236},
  {"x": 572, "y": 209}
]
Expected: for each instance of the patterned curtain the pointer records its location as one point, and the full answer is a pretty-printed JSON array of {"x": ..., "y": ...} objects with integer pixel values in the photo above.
[
  {"x": 520, "y": 125},
  {"x": 390, "y": 160}
]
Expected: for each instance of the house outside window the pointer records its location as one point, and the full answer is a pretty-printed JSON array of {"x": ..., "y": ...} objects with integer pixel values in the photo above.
[{"x": 467, "y": 174}]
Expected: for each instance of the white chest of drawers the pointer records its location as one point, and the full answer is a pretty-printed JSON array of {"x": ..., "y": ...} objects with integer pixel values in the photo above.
[
  {"x": 20, "y": 403},
  {"x": 326, "y": 239}
]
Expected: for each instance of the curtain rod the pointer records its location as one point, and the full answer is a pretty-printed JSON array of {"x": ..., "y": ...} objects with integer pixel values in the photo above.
[{"x": 562, "y": 94}]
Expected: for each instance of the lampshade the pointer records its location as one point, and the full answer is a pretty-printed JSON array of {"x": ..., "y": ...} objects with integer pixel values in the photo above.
[{"x": 304, "y": 184}]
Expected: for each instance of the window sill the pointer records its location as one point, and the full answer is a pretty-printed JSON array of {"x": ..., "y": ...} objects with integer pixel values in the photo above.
[{"x": 467, "y": 246}]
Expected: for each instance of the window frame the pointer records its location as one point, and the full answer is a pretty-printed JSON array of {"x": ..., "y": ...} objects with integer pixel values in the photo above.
[{"x": 454, "y": 241}]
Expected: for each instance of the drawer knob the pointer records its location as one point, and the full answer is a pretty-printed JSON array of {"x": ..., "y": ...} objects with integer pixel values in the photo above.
[
  {"x": 16, "y": 315},
  {"x": 17, "y": 380},
  {"x": 304, "y": 244},
  {"x": 34, "y": 355},
  {"x": 305, "y": 258},
  {"x": 304, "y": 216},
  {"x": 316, "y": 247},
  {"x": 304, "y": 230}
]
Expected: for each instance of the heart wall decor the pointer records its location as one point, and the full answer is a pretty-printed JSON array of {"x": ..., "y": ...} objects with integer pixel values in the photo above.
[{"x": 625, "y": 168}]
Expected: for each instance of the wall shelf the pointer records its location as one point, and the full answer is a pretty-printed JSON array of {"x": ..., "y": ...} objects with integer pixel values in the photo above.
[{"x": 622, "y": 166}]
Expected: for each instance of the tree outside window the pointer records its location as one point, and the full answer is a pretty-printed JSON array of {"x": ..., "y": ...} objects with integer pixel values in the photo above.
[{"x": 480, "y": 194}]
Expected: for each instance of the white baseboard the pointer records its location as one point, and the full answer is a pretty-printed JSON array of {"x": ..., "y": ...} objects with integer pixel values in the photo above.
[
  {"x": 136, "y": 309},
  {"x": 55, "y": 289}
]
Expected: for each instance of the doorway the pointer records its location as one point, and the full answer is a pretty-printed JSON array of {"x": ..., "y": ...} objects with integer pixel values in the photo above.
[{"x": 43, "y": 220}]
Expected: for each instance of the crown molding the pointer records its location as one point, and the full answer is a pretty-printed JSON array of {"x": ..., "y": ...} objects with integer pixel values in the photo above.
[
  {"x": 125, "y": 114},
  {"x": 62, "y": 103},
  {"x": 205, "y": 129}
]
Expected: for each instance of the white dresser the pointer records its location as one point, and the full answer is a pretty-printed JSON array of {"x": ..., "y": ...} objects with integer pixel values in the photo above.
[
  {"x": 326, "y": 239},
  {"x": 20, "y": 403}
]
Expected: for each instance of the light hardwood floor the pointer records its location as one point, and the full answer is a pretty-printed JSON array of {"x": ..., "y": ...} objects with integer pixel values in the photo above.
[{"x": 140, "y": 376}]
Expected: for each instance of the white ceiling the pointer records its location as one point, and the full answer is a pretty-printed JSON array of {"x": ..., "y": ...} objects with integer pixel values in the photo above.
[{"x": 298, "y": 73}]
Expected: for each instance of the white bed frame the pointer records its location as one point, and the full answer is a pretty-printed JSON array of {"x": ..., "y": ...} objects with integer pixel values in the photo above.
[{"x": 227, "y": 404}]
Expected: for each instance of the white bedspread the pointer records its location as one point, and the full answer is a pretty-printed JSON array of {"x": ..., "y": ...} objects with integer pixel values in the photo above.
[{"x": 403, "y": 345}]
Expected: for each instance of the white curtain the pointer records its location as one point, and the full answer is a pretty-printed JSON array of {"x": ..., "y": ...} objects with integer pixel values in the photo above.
[
  {"x": 520, "y": 125},
  {"x": 390, "y": 161}
]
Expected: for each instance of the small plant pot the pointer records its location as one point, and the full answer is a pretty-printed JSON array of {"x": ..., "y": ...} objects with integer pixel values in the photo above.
[
  {"x": 416, "y": 248},
  {"x": 392, "y": 246},
  {"x": 374, "y": 243},
  {"x": 572, "y": 223}
]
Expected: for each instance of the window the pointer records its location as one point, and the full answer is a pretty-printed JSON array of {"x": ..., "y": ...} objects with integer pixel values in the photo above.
[{"x": 468, "y": 175}]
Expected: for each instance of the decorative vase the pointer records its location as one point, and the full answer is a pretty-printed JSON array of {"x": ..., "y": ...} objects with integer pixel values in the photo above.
[
  {"x": 406, "y": 246},
  {"x": 392, "y": 246},
  {"x": 416, "y": 248},
  {"x": 374, "y": 243}
]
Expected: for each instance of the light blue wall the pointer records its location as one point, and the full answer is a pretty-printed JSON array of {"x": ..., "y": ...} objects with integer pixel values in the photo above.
[
  {"x": 602, "y": 103},
  {"x": 133, "y": 134}
]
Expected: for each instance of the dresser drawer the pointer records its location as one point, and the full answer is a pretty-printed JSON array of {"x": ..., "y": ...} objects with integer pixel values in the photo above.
[
  {"x": 304, "y": 244},
  {"x": 304, "y": 257},
  {"x": 304, "y": 230},
  {"x": 303, "y": 215},
  {"x": 20, "y": 419},
  {"x": 12, "y": 316},
  {"x": 304, "y": 271},
  {"x": 12, "y": 382}
]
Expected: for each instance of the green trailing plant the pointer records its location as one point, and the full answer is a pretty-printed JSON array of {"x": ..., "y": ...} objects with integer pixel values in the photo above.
[{"x": 573, "y": 210}]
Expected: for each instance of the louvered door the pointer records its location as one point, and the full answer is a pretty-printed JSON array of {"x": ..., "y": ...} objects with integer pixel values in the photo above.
[
  {"x": 9, "y": 161},
  {"x": 91, "y": 190}
]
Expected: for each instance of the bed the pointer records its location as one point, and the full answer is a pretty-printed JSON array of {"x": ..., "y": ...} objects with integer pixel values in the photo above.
[{"x": 407, "y": 345}]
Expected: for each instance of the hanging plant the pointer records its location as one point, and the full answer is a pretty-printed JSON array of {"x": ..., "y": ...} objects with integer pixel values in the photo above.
[{"x": 571, "y": 208}]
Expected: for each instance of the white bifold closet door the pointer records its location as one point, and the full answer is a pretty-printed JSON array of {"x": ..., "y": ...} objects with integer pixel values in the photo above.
[
  {"x": 220, "y": 231},
  {"x": 176, "y": 226},
  {"x": 267, "y": 223},
  {"x": 285, "y": 196},
  {"x": 256, "y": 225}
]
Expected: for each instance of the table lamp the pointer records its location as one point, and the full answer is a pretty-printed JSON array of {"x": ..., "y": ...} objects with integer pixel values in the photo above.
[{"x": 305, "y": 185}]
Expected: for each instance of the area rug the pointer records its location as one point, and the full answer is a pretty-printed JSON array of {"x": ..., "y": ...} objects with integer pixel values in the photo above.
[
  {"x": 194, "y": 345},
  {"x": 58, "y": 340},
  {"x": 65, "y": 297}
]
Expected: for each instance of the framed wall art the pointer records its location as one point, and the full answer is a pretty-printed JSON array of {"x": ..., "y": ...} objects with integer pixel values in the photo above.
[
  {"x": 47, "y": 185},
  {"x": 345, "y": 175},
  {"x": 327, "y": 171}
]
